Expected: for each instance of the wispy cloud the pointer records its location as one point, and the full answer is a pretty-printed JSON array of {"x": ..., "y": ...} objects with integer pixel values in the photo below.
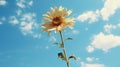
[
  {"x": 91, "y": 62},
  {"x": 110, "y": 27},
  {"x": 14, "y": 20},
  {"x": 91, "y": 59},
  {"x": 24, "y": 20},
  {"x": 24, "y": 3},
  {"x": 1, "y": 23},
  {"x": 109, "y": 9},
  {"x": 3, "y": 2},
  {"x": 104, "y": 42},
  {"x": 83, "y": 64},
  {"x": 2, "y": 19},
  {"x": 20, "y": 3},
  {"x": 52, "y": 39},
  {"x": 27, "y": 24},
  {"x": 75, "y": 31},
  {"x": 30, "y": 3},
  {"x": 26, "y": 27},
  {"x": 19, "y": 12},
  {"x": 90, "y": 48}
]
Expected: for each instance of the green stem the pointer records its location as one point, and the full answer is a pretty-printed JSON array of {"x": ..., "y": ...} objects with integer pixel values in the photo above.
[{"x": 64, "y": 50}]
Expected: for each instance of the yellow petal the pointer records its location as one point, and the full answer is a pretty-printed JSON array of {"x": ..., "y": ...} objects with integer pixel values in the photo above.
[
  {"x": 69, "y": 19},
  {"x": 46, "y": 24},
  {"x": 47, "y": 18},
  {"x": 48, "y": 14},
  {"x": 61, "y": 8},
  {"x": 64, "y": 13},
  {"x": 56, "y": 12},
  {"x": 69, "y": 12},
  {"x": 52, "y": 9}
]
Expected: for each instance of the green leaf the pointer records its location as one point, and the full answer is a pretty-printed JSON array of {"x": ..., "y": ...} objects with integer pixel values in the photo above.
[
  {"x": 56, "y": 43},
  {"x": 72, "y": 56},
  {"x": 61, "y": 55},
  {"x": 69, "y": 38}
]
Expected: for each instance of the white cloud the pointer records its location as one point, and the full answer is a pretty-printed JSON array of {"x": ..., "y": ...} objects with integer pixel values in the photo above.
[
  {"x": 29, "y": 28},
  {"x": 94, "y": 65},
  {"x": 110, "y": 27},
  {"x": 28, "y": 17},
  {"x": 90, "y": 15},
  {"x": 91, "y": 65},
  {"x": 1, "y": 23},
  {"x": 90, "y": 49},
  {"x": 26, "y": 23},
  {"x": 14, "y": 20},
  {"x": 3, "y": 2},
  {"x": 2, "y": 19},
  {"x": 26, "y": 27},
  {"x": 20, "y": 3},
  {"x": 19, "y": 12},
  {"x": 36, "y": 35},
  {"x": 78, "y": 59},
  {"x": 91, "y": 59},
  {"x": 30, "y": 3},
  {"x": 24, "y": 3},
  {"x": 109, "y": 9},
  {"x": 52, "y": 39},
  {"x": 75, "y": 31},
  {"x": 105, "y": 42}
]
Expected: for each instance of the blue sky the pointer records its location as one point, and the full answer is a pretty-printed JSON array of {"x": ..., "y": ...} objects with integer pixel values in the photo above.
[{"x": 96, "y": 36}]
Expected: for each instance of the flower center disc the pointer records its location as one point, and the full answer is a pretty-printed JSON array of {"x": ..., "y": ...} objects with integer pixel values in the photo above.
[{"x": 57, "y": 21}]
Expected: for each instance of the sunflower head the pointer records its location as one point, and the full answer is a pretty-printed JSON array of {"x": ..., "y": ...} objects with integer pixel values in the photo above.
[{"x": 57, "y": 19}]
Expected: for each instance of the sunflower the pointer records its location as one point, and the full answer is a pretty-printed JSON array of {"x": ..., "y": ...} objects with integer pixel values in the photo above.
[{"x": 57, "y": 19}]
